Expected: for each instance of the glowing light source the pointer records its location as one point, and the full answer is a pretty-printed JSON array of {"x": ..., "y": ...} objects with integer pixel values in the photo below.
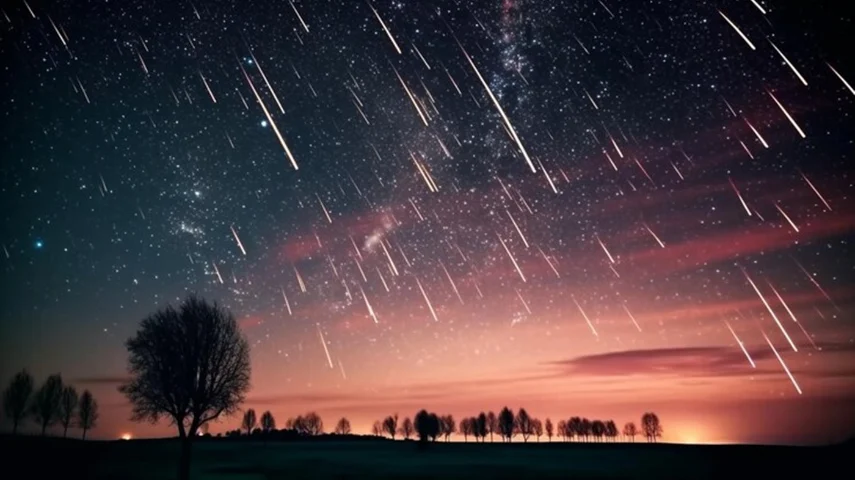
[{"x": 126, "y": 436}]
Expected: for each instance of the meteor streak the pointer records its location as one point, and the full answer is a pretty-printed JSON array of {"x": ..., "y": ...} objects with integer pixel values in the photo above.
[
  {"x": 388, "y": 33},
  {"x": 611, "y": 259},
  {"x": 738, "y": 31},
  {"x": 787, "y": 61},
  {"x": 816, "y": 191},
  {"x": 851, "y": 90},
  {"x": 739, "y": 195},
  {"x": 507, "y": 121},
  {"x": 655, "y": 237},
  {"x": 324, "y": 344},
  {"x": 769, "y": 309},
  {"x": 270, "y": 120},
  {"x": 522, "y": 237},
  {"x": 287, "y": 303},
  {"x": 511, "y": 256},
  {"x": 787, "y": 114},
  {"x": 300, "y": 17},
  {"x": 787, "y": 217},
  {"x": 585, "y": 316},
  {"x": 741, "y": 345},
  {"x": 783, "y": 365},
  {"x": 427, "y": 300},
  {"x": 631, "y": 316},
  {"x": 237, "y": 239}
]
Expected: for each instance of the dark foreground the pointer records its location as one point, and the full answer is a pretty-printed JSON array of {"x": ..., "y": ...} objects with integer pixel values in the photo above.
[{"x": 245, "y": 460}]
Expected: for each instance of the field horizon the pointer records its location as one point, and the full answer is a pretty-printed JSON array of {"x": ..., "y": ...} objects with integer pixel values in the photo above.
[{"x": 370, "y": 457}]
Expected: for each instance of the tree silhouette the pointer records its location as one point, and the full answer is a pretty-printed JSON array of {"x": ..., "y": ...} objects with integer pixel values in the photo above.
[
  {"x": 630, "y": 431},
  {"x": 343, "y": 426},
  {"x": 651, "y": 427},
  {"x": 447, "y": 426},
  {"x": 492, "y": 424},
  {"x": 537, "y": 428},
  {"x": 506, "y": 423},
  {"x": 427, "y": 425},
  {"x": 550, "y": 429},
  {"x": 562, "y": 429},
  {"x": 377, "y": 429},
  {"x": 598, "y": 428},
  {"x": 611, "y": 430},
  {"x": 435, "y": 426},
  {"x": 267, "y": 422},
  {"x": 466, "y": 428},
  {"x": 481, "y": 426},
  {"x": 312, "y": 424},
  {"x": 524, "y": 424},
  {"x": 249, "y": 421},
  {"x": 87, "y": 412},
  {"x": 46, "y": 402},
  {"x": 67, "y": 408},
  {"x": 16, "y": 398},
  {"x": 575, "y": 427},
  {"x": 189, "y": 364},
  {"x": 390, "y": 425},
  {"x": 406, "y": 430},
  {"x": 586, "y": 429}
]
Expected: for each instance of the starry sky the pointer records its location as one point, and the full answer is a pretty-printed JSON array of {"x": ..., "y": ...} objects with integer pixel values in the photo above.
[{"x": 593, "y": 207}]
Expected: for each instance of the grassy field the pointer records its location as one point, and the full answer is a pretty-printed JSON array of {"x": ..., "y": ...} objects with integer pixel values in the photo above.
[{"x": 245, "y": 460}]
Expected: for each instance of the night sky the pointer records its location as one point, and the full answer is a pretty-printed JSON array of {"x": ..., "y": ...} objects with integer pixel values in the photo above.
[{"x": 592, "y": 208}]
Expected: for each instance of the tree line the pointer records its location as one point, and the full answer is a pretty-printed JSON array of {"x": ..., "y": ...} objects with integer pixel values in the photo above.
[
  {"x": 430, "y": 426},
  {"x": 54, "y": 403}
]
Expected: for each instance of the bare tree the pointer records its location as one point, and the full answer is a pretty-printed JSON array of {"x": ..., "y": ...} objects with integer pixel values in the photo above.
[
  {"x": 343, "y": 426},
  {"x": 390, "y": 425},
  {"x": 46, "y": 402},
  {"x": 190, "y": 365},
  {"x": 651, "y": 427},
  {"x": 562, "y": 429},
  {"x": 87, "y": 413},
  {"x": 630, "y": 431},
  {"x": 611, "y": 430},
  {"x": 447, "y": 426},
  {"x": 314, "y": 424},
  {"x": 67, "y": 408},
  {"x": 249, "y": 421},
  {"x": 506, "y": 423},
  {"x": 524, "y": 425},
  {"x": 492, "y": 424},
  {"x": 537, "y": 428},
  {"x": 267, "y": 422},
  {"x": 406, "y": 430},
  {"x": 466, "y": 428},
  {"x": 377, "y": 428},
  {"x": 550, "y": 429},
  {"x": 16, "y": 397}
]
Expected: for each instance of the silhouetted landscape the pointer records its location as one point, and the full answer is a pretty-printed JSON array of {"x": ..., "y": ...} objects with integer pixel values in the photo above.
[{"x": 190, "y": 366}]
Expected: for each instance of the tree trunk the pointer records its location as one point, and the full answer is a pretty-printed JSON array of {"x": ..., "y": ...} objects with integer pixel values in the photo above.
[
  {"x": 44, "y": 427},
  {"x": 65, "y": 431},
  {"x": 84, "y": 434},
  {"x": 184, "y": 462},
  {"x": 14, "y": 426}
]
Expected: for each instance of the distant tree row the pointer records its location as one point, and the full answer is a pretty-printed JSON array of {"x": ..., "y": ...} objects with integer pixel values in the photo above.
[
  {"x": 53, "y": 403},
  {"x": 507, "y": 424}
]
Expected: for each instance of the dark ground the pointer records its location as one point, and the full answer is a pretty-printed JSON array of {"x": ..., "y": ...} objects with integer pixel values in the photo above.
[{"x": 33, "y": 457}]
